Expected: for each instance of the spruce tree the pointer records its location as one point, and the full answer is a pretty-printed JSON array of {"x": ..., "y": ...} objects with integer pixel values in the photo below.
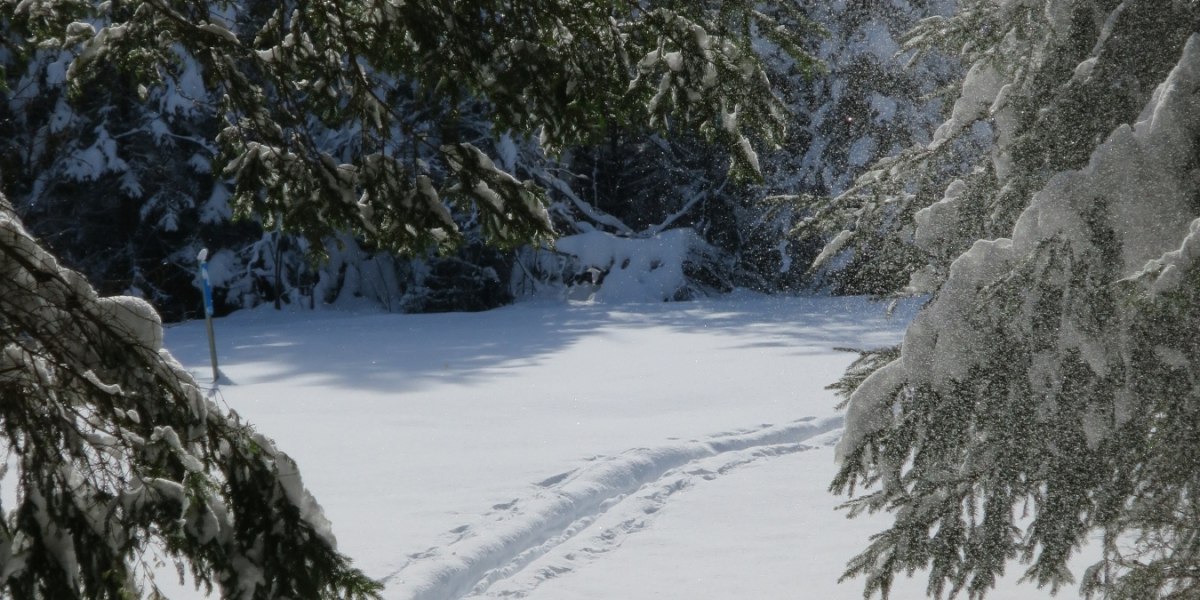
[
  {"x": 559, "y": 69},
  {"x": 120, "y": 460},
  {"x": 874, "y": 97},
  {"x": 1046, "y": 395}
]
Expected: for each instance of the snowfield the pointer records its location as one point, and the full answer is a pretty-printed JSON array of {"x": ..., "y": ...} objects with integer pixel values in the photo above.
[{"x": 568, "y": 451}]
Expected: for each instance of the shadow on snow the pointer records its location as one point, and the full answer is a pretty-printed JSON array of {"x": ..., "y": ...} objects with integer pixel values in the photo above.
[{"x": 406, "y": 352}]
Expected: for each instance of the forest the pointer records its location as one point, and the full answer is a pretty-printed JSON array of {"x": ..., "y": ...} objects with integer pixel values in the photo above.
[{"x": 1027, "y": 171}]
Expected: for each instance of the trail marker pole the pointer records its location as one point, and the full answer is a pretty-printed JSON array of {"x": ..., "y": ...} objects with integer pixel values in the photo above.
[{"x": 208, "y": 311}]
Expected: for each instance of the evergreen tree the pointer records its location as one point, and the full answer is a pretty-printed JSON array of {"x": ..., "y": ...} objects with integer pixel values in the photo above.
[
  {"x": 121, "y": 460},
  {"x": 867, "y": 99},
  {"x": 114, "y": 183},
  {"x": 560, "y": 69},
  {"x": 118, "y": 453},
  {"x": 152, "y": 158},
  {"x": 874, "y": 98},
  {"x": 1047, "y": 392}
]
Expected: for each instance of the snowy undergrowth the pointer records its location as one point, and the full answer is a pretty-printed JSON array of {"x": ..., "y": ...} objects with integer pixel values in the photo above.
[{"x": 601, "y": 267}]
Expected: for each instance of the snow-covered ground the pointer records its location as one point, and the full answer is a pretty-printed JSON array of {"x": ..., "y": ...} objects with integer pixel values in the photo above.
[{"x": 568, "y": 451}]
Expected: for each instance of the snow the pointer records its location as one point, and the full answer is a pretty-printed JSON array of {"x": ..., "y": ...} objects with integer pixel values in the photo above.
[
  {"x": 61, "y": 117},
  {"x": 107, "y": 388},
  {"x": 877, "y": 40},
  {"x": 636, "y": 269},
  {"x": 99, "y": 158},
  {"x": 674, "y": 61},
  {"x": 182, "y": 92},
  {"x": 298, "y": 496},
  {"x": 979, "y": 90},
  {"x": 56, "y": 71},
  {"x": 507, "y": 152},
  {"x": 221, "y": 269},
  {"x": 57, "y": 541},
  {"x": 832, "y": 248},
  {"x": 136, "y": 317},
  {"x": 939, "y": 221},
  {"x": 216, "y": 209},
  {"x": 882, "y": 107},
  {"x": 558, "y": 450},
  {"x": 1143, "y": 174},
  {"x": 1170, "y": 267},
  {"x": 1083, "y": 71},
  {"x": 861, "y": 151},
  {"x": 1005, "y": 124},
  {"x": 876, "y": 393}
]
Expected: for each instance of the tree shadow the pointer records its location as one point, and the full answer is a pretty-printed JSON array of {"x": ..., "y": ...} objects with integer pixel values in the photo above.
[{"x": 406, "y": 352}]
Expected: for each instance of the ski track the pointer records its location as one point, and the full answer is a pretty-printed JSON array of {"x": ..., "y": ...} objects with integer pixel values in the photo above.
[{"x": 577, "y": 516}]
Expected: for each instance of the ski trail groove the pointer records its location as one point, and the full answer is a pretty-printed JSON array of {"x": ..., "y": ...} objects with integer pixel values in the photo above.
[
  {"x": 565, "y": 505},
  {"x": 607, "y": 531}
]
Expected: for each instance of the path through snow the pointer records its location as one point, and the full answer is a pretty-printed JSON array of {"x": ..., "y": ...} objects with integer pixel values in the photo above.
[{"x": 580, "y": 514}]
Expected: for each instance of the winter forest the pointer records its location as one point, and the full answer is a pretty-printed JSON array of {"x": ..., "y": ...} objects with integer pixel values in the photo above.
[{"x": 600, "y": 299}]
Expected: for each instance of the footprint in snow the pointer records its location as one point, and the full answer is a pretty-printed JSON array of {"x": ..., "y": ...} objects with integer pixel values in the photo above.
[{"x": 554, "y": 480}]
